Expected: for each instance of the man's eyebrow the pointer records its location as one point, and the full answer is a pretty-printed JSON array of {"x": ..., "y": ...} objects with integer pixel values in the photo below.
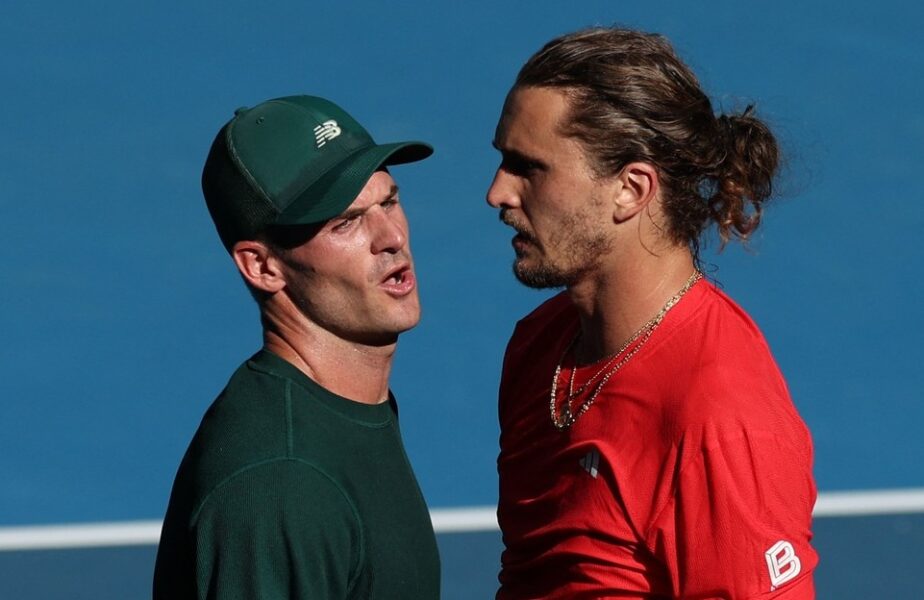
[
  {"x": 352, "y": 213},
  {"x": 516, "y": 155}
]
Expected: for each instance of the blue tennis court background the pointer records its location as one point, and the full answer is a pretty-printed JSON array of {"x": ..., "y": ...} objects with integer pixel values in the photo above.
[{"x": 122, "y": 317}]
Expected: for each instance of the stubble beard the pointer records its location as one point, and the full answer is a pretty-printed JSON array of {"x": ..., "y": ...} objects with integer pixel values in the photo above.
[
  {"x": 571, "y": 252},
  {"x": 546, "y": 274},
  {"x": 571, "y": 255}
]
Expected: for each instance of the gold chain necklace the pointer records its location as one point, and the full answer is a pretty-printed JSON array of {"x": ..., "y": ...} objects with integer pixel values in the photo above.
[{"x": 568, "y": 416}]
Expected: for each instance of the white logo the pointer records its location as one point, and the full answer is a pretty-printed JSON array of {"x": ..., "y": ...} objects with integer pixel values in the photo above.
[
  {"x": 590, "y": 462},
  {"x": 325, "y": 132},
  {"x": 783, "y": 563}
]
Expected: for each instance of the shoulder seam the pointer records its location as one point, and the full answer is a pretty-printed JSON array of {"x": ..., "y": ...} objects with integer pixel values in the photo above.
[
  {"x": 194, "y": 517},
  {"x": 290, "y": 442},
  {"x": 671, "y": 499}
]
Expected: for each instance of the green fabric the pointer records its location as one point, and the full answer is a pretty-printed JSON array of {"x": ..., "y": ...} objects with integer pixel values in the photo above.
[{"x": 289, "y": 491}]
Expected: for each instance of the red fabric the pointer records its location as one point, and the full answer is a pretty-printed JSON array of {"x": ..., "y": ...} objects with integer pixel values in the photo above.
[{"x": 702, "y": 465}]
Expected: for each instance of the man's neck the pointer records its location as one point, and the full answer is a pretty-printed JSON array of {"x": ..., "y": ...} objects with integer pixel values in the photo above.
[
  {"x": 353, "y": 370},
  {"x": 623, "y": 296}
]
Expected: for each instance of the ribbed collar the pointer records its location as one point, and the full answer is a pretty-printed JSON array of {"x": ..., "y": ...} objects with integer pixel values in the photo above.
[{"x": 375, "y": 415}]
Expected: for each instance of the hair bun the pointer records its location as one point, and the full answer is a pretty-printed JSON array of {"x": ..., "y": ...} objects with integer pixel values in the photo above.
[{"x": 744, "y": 178}]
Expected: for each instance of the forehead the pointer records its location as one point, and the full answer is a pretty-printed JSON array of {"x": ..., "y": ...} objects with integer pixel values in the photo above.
[
  {"x": 532, "y": 127},
  {"x": 532, "y": 115}
]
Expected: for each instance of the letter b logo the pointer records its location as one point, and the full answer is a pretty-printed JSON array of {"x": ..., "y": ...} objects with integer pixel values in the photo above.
[{"x": 783, "y": 563}]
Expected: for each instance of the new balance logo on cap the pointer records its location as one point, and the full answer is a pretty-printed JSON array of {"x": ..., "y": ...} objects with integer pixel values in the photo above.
[
  {"x": 590, "y": 462},
  {"x": 325, "y": 132},
  {"x": 783, "y": 563}
]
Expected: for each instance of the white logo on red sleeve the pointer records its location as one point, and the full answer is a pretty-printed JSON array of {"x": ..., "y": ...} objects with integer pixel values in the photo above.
[{"x": 783, "y": 563}]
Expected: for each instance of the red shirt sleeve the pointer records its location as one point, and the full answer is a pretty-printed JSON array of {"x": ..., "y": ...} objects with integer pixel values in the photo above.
[{"x": 737, "y": 524}]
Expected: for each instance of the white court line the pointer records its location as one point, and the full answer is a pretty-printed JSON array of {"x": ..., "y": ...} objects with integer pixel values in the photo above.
[
  {"x": 874, "y": 502},
  {"x": 89, "y": 535},
  {"x": 445, "y": 520},
  {"x": 458, "y": 520}
]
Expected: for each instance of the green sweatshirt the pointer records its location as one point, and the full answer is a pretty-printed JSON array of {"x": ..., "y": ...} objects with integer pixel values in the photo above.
[{"x": 290, "y": 491}]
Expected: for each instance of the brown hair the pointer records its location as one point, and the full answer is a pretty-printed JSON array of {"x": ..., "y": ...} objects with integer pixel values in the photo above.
[{"x": 632, "y": 99}]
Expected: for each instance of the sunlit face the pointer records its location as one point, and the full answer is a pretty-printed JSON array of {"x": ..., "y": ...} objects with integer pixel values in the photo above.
[
  {"x": 545, "y": 190},
  {"x": 355, "y": 276}
]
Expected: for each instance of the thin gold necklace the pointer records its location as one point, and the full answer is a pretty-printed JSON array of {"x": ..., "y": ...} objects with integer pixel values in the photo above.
[{"x": 568, "y": 415}]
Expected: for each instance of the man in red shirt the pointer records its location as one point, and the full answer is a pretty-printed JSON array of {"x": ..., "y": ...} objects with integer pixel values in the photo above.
[{"x": 649, "y": 446}]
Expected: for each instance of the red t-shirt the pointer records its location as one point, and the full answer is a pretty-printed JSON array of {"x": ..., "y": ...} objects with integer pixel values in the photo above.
[{"x": 689, "y": 477}]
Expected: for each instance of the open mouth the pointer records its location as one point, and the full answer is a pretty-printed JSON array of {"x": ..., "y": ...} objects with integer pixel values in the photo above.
[
  {"x": 399, "y": 281},
  {"x": 397, "y": 276}
]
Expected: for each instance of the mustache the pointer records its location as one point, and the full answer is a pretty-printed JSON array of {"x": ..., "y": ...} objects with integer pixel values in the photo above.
[{"x": 507, "y": 219}]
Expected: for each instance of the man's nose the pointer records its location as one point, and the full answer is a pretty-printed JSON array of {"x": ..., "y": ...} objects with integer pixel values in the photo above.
[
  {"x": 390, "y": 233},
  {"x": 503, "y": 193}
]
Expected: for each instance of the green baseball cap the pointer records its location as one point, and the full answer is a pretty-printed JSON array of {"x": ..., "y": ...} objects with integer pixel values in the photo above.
[{"x": 297, "y": 160}]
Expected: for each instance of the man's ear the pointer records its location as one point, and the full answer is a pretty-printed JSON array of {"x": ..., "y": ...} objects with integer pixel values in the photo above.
[
  {"x": 258, "y": 265},
  {"x": 637, "y": 185}
]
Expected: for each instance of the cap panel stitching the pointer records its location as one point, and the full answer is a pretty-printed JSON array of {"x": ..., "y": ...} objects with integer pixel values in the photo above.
[{"x": 245, "y": 171}]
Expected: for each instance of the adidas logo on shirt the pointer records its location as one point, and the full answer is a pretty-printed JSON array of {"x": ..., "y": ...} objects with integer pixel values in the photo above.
[{"x": 590, "y": 462}]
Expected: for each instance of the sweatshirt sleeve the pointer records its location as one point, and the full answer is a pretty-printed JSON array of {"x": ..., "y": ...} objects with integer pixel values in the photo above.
[{"x": 281, "y": 529}]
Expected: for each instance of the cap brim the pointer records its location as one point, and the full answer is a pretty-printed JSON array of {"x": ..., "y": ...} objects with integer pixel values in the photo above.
[{"x": 338, "y": 188}]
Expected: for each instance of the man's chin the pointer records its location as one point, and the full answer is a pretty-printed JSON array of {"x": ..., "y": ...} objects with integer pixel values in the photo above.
[
  {"x": 386, "y": 331},
  {"x": 538, "y": 277}
]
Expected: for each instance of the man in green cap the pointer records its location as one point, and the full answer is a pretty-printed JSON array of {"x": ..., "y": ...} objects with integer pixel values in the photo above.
[{"x": 296, "y": 484}]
